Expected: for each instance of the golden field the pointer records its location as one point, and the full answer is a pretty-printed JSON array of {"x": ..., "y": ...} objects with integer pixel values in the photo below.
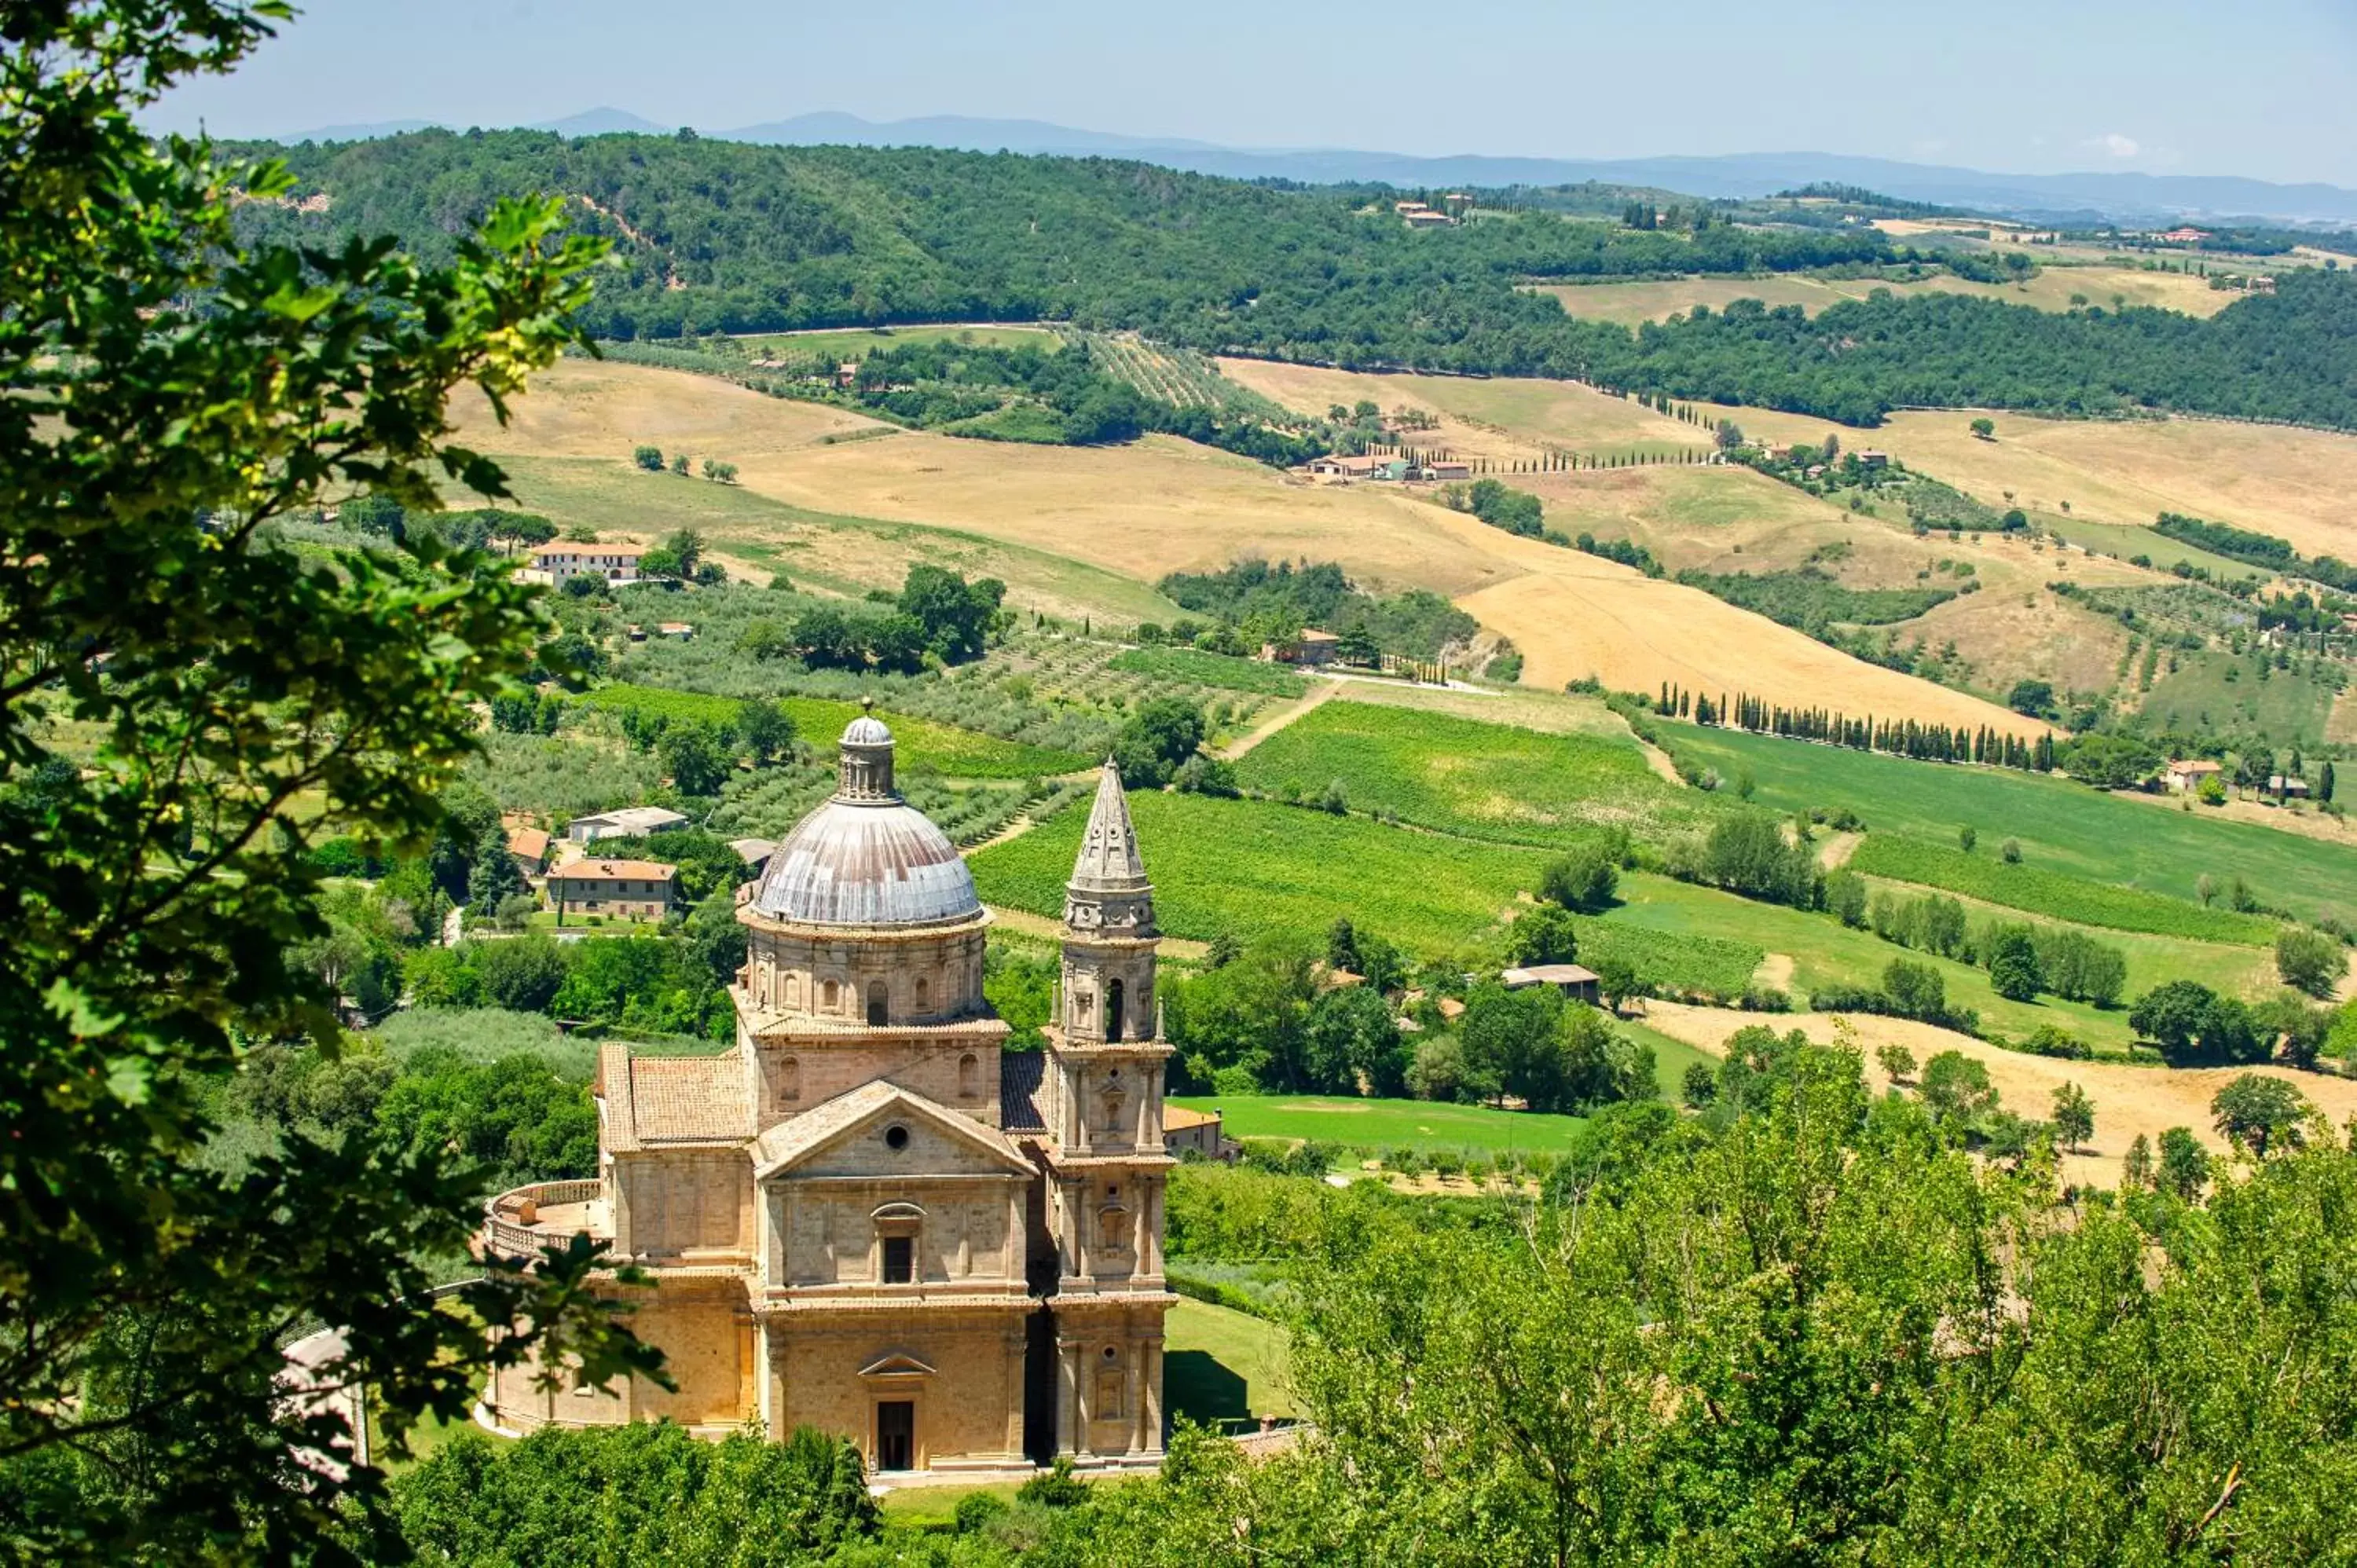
[{"x": 2051, "y": 289}]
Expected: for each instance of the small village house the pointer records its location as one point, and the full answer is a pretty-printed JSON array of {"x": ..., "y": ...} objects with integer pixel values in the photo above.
[
  {"x": 675, "y": 631},
  {"x": 2287, "y": 787},
  {"x": 1448, "y": 468},
  {"x": 644, "y": 889},
  {"x": 1342, "y": 466},
  {"x": 627, "y": 822},
  {"x": 755, "y": 854},
  {"x": 2185, "y": 776}
]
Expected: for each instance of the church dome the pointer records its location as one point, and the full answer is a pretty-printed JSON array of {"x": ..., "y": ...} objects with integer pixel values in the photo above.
[{"x": 867, "y": 857}]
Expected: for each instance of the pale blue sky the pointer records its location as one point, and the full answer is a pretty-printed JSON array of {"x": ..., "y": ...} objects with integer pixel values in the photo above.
[{"x": 2262, "y": 88}]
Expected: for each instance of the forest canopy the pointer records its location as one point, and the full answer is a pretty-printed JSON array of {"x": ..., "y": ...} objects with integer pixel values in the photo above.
[{"x": 725, "y": 237}]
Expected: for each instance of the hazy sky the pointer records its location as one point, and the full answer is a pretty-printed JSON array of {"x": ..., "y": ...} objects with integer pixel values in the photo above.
[{"x": 2264, "y": 88}]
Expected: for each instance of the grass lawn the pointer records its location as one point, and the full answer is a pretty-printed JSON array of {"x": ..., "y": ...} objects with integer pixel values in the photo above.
[
  {"x": 2062, "y": 825},
  {"x": 1479, "y": 780},
  {"x": 1255, "y": 868},
  {"x": 1221, "y": 1365},
  {"x": 2222, "y": 692}
]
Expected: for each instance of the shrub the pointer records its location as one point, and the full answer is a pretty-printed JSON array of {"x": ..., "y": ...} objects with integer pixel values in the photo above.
[{"x": 2309, "y": 960}]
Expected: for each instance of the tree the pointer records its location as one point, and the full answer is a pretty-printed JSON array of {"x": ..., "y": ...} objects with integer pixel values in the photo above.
[
  {"x": 956, "y": 616},
  {"x": 1957, "y": 1088},
  {"x": 2013, "y": 964},
  {"x": 1162, "y": 733},
  {"x": 2135, "y": 1167},
  {"x": 1585, "y": 879},
  {"x": 766, "y": 729},
  {"x": 1510, "y": 1039},
  {"x": 2191, "y": 1023},
  {"x": 2009, "y": 852},
  {"x": 1915, "y": 990},
  {"x": 2075, "y": 1115},
  {"x": 685, "y": 548},
  {"x": 2031, "y": 697},
  {"x": 651, "y": 458},
  {"x": 2310, "y": 960},
  {"x": 170, "y": 392},
  {"x": 1353, "y": 1044},
  {"x": 1984, "y": 428},
  {"x": 1728, "y": 435},
  {"x": 1700, "y": 1085},
  {"x": 2257, "y": 1113},
  {"x": 2184, "y": 1164},
  {"x": 1966, "y": 837},
  {"x": 679, "y": 464},
  {"x": 1897, "y": 1061},
  {"x": 1845, "y": 896},
  {"x": 695, "y": 760},
  {"x": 2205, "y": 888},
  {"x": 522, "y": 974},
  {"x": 719, "y": 472},
  {"x": 1547, "y": 934}
]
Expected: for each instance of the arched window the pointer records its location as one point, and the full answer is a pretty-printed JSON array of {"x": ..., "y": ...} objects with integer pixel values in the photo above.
[
  {"x": 833, "y": 996},
  {"x": 878, "y": 1002},
  {"x": 790, "y": 1079},
  {"x": 969, "y": 1076},
  {"x": 1112, "y": 1009},
  {"x": 924, "y": 994}
]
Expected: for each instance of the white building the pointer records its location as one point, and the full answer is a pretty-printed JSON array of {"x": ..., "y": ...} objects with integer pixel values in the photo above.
[
  {"x": 555, "y": 563},
  {"x": 628, "y": 823}
]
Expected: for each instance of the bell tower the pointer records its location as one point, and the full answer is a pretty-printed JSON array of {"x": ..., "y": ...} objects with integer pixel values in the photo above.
[{"x": 1105, "y": 1159}]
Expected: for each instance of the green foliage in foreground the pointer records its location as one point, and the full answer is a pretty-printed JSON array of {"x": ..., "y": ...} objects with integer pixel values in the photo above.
[
  {"x": 919, "y": 743},
  {"x": 1248, "y": 869},
  {"x": 2061, "y": 826},
  {"x": 1476, "y": 779},
  {"x": 2057, "y": 894}
]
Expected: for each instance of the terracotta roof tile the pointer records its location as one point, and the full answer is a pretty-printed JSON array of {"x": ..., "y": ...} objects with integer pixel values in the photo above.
[
  {"x": 1020, "y": 1075},
  {"x": 689, "y": 1098}
]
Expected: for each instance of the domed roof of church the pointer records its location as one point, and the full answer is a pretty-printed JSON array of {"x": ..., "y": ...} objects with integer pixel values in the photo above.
[{"x": 867, "y": 857}]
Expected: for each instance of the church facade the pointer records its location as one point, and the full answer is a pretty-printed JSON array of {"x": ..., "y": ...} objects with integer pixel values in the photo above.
[{"x": 869, "y": 1216}]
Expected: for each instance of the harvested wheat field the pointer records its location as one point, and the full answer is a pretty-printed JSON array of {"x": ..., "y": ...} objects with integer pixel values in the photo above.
[
  {"x": 2128, "y": 1099},
  {"x": 591, "y": 408},
  {"x": 2052, "y": 289},
  {"x": 1574, "y": 616},
  {"x": 1498, "y": 417},
  {"x": 2289, "y": 482}
]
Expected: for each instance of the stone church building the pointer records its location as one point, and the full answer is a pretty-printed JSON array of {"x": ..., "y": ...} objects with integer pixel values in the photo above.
[{"x": 869, "y": 1216}]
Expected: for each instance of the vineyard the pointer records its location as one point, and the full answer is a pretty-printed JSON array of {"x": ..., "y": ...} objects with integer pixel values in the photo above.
[
  {"x": 1183, "y": 378},
  {"x": 1079, "y": 675},
  {"x": 2054, "y": 893}
]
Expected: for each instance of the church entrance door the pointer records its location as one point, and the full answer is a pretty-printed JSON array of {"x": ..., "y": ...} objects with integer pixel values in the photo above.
[{"x": 896, "y": 1434}]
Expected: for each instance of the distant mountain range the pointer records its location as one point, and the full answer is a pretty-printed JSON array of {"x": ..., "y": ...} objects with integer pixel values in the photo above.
[{"x": 2114, "y": 197}]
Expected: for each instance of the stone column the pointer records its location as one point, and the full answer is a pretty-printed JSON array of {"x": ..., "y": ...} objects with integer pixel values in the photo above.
[
  {"x": 776, "y": 1213},
  {"x": 1141, "y": 1258},
  {"x": 1071, "y": 1438},
  {"x": 1081, "y": 1402},
  {"x": 1018, "y": 1337},
  {"x": 1133, "y": 1395},
  {"x": 1153, "y": 1399}
]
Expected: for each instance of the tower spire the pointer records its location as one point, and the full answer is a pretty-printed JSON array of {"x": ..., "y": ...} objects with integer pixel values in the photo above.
[{"x": 1109, "y": 888}]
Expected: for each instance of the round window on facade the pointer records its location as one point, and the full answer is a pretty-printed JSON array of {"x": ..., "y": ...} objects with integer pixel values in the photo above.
[{"x": 896, "y": 1137}]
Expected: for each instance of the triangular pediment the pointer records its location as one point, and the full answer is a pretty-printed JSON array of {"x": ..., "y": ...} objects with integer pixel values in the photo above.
[
  {"x": 856, "y": 1114},
  {"x": 895, "y": 1365}
]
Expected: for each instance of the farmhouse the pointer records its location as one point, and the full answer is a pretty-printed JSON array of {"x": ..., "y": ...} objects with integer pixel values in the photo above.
[
  {"x": 1346, "y": 467},
  {"x": 2186, "y": 775},
  {"x": 1870, "y": 459},
  {"x": 754, "y": 853},
  {"x": 627, "y": 822},
  {"x": 1196, "y": 1132},
  {"x": 1448, "y": 468},
  {"x": 530, "y": 847},
  {"x": 1312, "y": 646},
  {"x": 2287, "y": 787},
  {"x": 557, "y": 563},
  {"x": 643, "y": 889},
  {"x": 868, "y": 1216},
  {"x": 1576, "y": 983},
  {"x": 2183, "y": 235}
]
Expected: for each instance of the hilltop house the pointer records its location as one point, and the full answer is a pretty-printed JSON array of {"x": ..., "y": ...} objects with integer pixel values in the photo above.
[
  {"x": 1312, "y": 646},
  {"x": 1576, "y": 983},
  {"x": 626, "y": 823},
  {"x": 556, "y": 563}
]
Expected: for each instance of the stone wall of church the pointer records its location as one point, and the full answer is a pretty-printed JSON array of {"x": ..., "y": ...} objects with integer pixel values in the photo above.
[
  {"x": 797, "y": 1074},
  {"x": 674, "y": 1204},
  {"x": 706, "y": 1332},
  {"x": 963, "y": 1370},
  {"x": 923, "y": 979}
]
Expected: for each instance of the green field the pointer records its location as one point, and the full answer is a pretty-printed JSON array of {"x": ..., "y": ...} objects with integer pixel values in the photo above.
[
  {"x": 2218, "y": 690},
  {"x": 1685, "y": 962},
  {"x": 921, "y": 744},
  {"x": 2060, "y": 825},
  {"x": 1194, "y": 667},
  {"x": 1388, "y": 1123},
  {"x": 2076, "y": 900},
  {"x": 1474, "y": 780},
  {"x": 2129, "y": 541},
  {"x": 1250, "y": 868},
  {"x": 1826, "y": 952},
  {"x": 1221, "y": 1365}
]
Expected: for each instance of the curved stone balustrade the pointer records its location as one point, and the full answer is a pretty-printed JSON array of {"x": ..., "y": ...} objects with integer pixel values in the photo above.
[{"x": 522, "y": 1220}]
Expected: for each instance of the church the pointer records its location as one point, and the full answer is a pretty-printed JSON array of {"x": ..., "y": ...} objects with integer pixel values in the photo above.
[{"x": 870, "y": 1216}]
